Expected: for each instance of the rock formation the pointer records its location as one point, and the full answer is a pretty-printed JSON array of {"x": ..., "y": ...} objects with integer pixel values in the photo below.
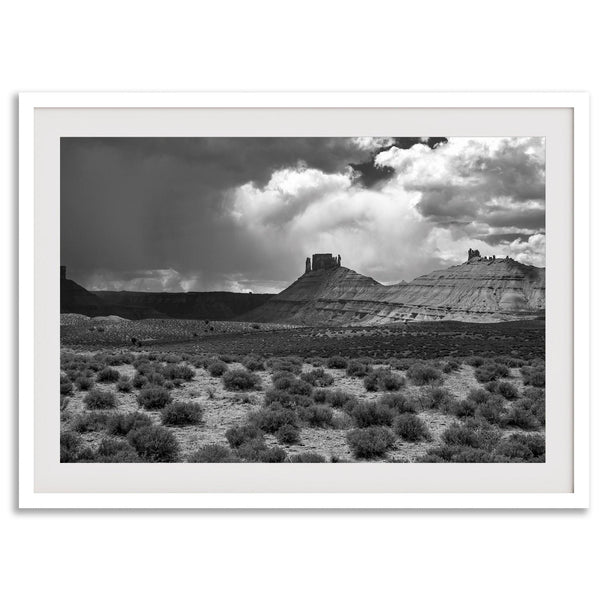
[
  {"x": 324, "y": 261},
  {"x": 75, "y": 299},
  {"x": 482, "y": 289}
]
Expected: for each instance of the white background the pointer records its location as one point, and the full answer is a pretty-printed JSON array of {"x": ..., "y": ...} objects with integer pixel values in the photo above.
[{"x": 270, "y": 46}]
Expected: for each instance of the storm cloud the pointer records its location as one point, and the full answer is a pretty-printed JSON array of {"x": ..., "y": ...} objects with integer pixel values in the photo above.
[{"x": 240, "y": 214}]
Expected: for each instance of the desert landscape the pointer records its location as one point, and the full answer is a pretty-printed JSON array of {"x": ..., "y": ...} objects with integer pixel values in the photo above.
[
  {"x": 412, "y": 388},
  {"x": 302, "y": 299}
]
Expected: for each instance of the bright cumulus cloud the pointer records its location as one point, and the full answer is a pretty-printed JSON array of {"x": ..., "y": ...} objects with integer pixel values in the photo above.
[{"x": 485, "y": 193}]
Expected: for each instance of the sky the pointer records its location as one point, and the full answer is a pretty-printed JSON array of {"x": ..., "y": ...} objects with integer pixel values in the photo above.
[{"x": 242, "y": 214}]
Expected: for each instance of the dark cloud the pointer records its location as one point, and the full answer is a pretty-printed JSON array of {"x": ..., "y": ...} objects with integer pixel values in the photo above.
[
  {"x": 157, "y": 203},
  {"x": 371, "y": 174}
]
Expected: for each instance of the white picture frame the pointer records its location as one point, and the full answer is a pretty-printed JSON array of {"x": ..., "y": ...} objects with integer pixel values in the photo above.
[{"x": 29, "y": 231}]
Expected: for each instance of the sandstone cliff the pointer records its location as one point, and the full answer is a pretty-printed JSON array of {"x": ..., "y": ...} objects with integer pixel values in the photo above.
[
  {"x": 481, "y": 289},
  {"x": 146, "y": 305}
]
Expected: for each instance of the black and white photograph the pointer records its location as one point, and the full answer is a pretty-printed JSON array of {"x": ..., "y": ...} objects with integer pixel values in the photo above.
[{"x": 302, "y": 300}]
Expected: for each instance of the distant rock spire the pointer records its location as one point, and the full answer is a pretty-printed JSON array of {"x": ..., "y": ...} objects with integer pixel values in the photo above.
[
  {"x": 473, "y": 254},
  {"x": 307, "y": 270}
]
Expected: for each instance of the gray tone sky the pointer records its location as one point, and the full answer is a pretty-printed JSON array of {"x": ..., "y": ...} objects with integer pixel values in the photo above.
[{"x": 240, "y": 214}]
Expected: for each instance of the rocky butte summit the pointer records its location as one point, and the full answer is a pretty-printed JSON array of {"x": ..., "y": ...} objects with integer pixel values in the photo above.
[{"x": 482, "y": 289}]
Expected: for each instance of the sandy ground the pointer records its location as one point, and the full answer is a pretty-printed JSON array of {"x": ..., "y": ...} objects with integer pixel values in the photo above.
[{"x": 224, "y": 409}]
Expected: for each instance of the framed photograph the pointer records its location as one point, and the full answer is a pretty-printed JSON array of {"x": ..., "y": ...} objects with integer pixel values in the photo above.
[{"x": 304, "y": 300}]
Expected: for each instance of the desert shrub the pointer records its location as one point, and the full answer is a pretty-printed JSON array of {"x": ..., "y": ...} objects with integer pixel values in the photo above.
[
  {"x": 199, "y": 361},
  {"x": 173, "y": 372},
  {"x": 179, "y": 414},
  {"x": 97, "y": 400},
  {"x": 253, "y": 363},
  {"x": 216, "y": 368},
  {"x": 536, "y": 443},
  {"x": 534, "y": 393},
  {"x": 492, "y": 386},
  {"x": 420, "y": 374},
  {"x": 308, "y": 457},
  {"x": 507, "y": 389},
  {"x": 155, "y": 378},
  {"x": 478, "y": 395},
  {"x": 251, "y": 449},
  {"x": 457, "y": 454},
  {"x": 317, "y": 378},
  {"x": 514, "y": 450},
  {"x": 85, "y": 422},
  {"x": 144, "y": 367},
  {"x": 141, "y": 359},
  {"x": 108, "y": 375},
  {"x": 70, "y": 446},
  {"x": 398, "y": 403},
  {"x": 285, "y": 381},
  {"x": 370, "y": 442},
  {"x": 451, "y": 366},
  {"x": 116, "y": 451},
  {"x": 459, "y": 435},
  {"x": 124, "y": 384},
  {"x": 356, "y": 368},
  {"x": 84, "y": 383},
  {"x": 536, "y": 406},
  {"x": 228, "y": 358},
  {"x": 139, "y": 381},
  {"x": 401, "y": 364},
  {"x": 66, "y": 387},
  {"x": 438, "y": 398},
  {"x": 272, "y": 455},
  {"x": 371, "y": 382},
  {"x": 474, "y": 433},
  {"x": 239, "y": 434},
  {"x": 211, "y": 453},
  {"x": 64, "y": 402},
  {"x": 514, "y": 362},
  {"x": 317, "y": 415},
  {"x": 120, "y": 358},
  {"x": 463, "y": 408},
  {"x": 522, "y": 416},
  {"x": 492, "y": 410},
  {"x": 292, "y": 364},
  {"x": 316, "y": 361},
  {"x": 337, "y": 362},
  {"x": 490, "y": 372},
  {"x": 86, "y": 455},
  {"x": 474, "y": 361},
  {"x": 383, "y": 380},
  {"x": 153, "y": 397},
  {"x": 239, "y": 380},
  {"x": 154, "y": 443},
  {"x": 472, "y": 455},
  {"x": 390, "y": 382},
  {"x": 335, "y": 398},
  {"x": 273, "y": 417},
  {"x": 257, "y": 451},
  {"x": 367, "y": 414},
  {"x": 122, "y": 424},
  {"x": 287, "y": 434},
  {"x": 284, "y": 399},
  {"x": 534, "y": 376},
  {"x": 411, "y": 428}
]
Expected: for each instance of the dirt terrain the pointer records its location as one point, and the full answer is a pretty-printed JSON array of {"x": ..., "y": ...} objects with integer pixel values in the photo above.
[
  {"x": 523, "y": 339},
  {"x": 427, "y": 392}
]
